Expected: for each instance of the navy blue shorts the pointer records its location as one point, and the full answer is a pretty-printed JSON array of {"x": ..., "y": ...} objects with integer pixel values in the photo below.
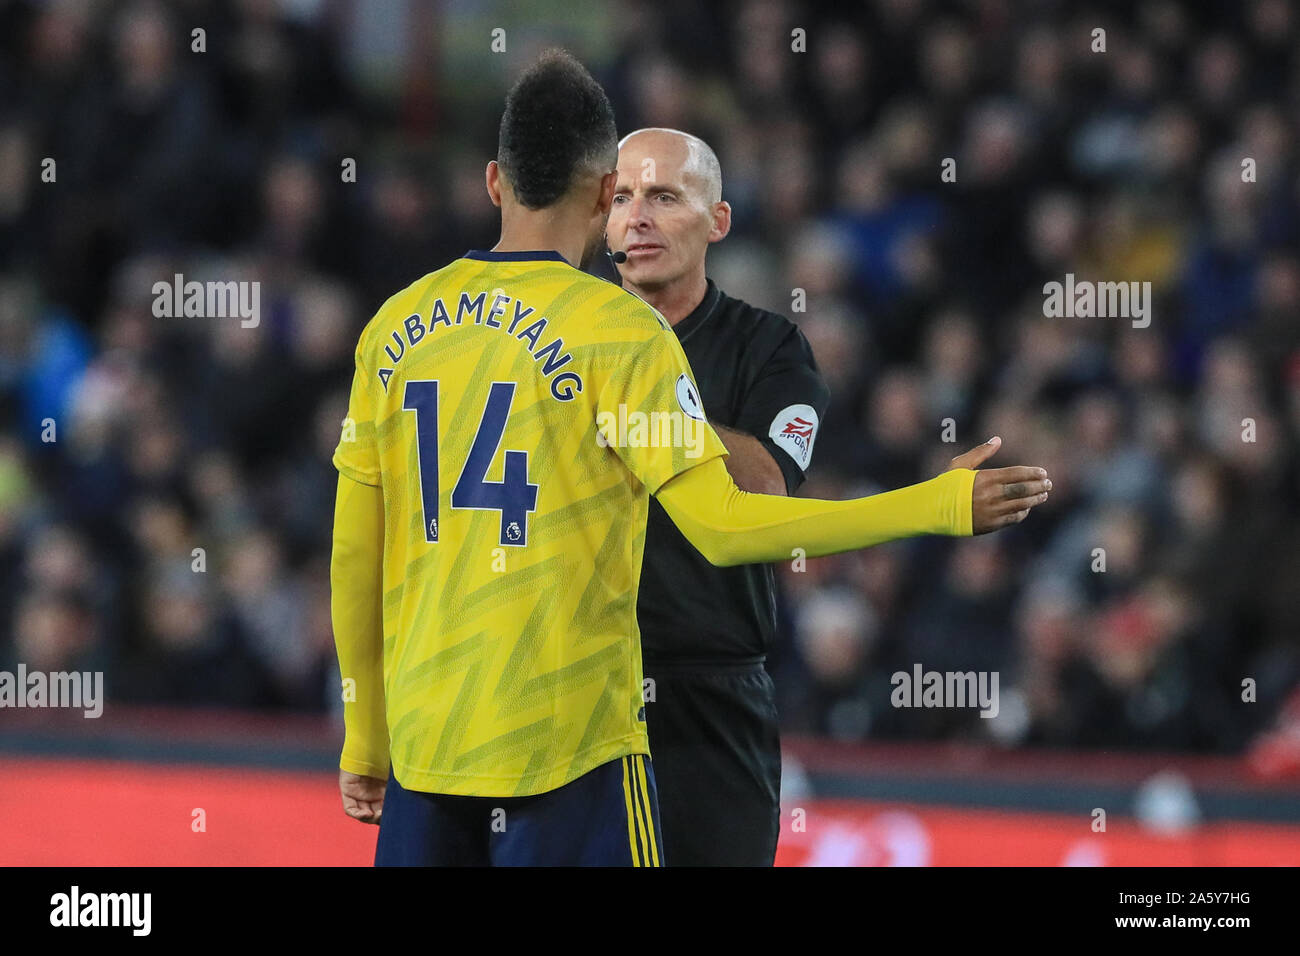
[{"x": 607, "y": 817}]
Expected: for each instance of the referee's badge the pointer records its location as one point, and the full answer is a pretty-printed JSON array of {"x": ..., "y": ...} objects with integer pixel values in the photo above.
[{"x": 794, "y": 429}]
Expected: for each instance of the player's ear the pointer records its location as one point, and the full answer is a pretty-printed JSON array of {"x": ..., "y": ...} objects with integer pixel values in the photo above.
[
  {"x": 494, "y": 182},
  {"x": 721, "y": 213},
  {"x": 606, "y": 201}
]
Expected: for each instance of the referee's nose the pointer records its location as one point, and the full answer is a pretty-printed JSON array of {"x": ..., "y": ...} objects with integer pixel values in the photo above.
[{"x": 638, "y": 213}]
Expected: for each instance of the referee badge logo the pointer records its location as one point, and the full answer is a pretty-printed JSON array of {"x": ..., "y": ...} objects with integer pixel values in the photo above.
[{"x": 795, "y": 430}]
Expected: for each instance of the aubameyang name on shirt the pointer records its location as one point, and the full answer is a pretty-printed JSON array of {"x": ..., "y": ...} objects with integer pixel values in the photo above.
[{"x": 497, "y": 316}]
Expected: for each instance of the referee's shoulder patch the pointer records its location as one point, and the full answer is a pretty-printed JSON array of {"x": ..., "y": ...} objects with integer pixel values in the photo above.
[{"x": 794, "y": 429}]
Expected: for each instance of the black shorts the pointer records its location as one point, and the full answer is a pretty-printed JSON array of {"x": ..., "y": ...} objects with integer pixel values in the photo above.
[{"x": 717, "y": 759}]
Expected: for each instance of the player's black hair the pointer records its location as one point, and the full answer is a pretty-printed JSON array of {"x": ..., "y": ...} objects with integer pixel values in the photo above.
[{"x": 557, "y": 122}]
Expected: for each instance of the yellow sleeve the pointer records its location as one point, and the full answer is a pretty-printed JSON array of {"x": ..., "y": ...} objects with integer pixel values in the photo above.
[
  {"x": 653, "y": 383},
  {"x": 729, "y": 526},
  {"x": 356, "y": 607},
  {"x": 357, "y": 453}
]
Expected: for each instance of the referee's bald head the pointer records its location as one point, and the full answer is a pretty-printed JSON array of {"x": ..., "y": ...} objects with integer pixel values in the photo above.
[
  {"x": 699, "y": 162},
  {"x": 667, "y": 209}
]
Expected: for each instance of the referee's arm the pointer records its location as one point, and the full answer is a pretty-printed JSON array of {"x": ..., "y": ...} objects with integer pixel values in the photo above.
[
  {"x": 762, "y": 460},
  {"x": 753, "y": 466}
]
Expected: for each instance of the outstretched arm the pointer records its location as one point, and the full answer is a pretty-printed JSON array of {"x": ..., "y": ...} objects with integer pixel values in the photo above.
[{"x": 729, "y": 526}]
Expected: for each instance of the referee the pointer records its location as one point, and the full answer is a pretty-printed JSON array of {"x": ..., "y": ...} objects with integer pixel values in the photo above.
[{"x": 711, "y": 712}]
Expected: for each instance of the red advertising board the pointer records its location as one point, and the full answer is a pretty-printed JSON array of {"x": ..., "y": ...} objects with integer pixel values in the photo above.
[
  {"x": 860, "y": 833},
  {"x": 63, "y": 812}
]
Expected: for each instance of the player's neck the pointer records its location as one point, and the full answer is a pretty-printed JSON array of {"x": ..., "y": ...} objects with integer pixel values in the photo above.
[
  {"x": 676, "y": 300},
  {"x": 533, "y": 231}
]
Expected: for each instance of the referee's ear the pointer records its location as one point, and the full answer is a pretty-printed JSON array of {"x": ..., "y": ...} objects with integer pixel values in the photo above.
[{"x": 721, "y": 213}]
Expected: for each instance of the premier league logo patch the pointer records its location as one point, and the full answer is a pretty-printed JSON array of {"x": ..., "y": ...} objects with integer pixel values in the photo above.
[{"x": 688, "y": 398}]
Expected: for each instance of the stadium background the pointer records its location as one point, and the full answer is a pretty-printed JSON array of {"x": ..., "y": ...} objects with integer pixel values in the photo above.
[{"x": 1119, "y": 690}]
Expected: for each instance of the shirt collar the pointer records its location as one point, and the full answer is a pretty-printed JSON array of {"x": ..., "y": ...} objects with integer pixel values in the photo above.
[
  {"x": 487, "y": 255},
  {"x": 700, "y": 314}
]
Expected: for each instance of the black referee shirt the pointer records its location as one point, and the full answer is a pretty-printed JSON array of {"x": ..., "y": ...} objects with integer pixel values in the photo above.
[{"x": 756, "y": 375}]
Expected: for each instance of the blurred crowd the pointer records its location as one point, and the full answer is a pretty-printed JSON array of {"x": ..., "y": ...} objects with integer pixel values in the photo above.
[{"x": 166, "y": 494}]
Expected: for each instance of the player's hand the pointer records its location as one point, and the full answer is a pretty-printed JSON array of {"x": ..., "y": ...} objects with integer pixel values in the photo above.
[
  {"x": 1001, "y": 496},
  {"x": 363, "y": 797}
]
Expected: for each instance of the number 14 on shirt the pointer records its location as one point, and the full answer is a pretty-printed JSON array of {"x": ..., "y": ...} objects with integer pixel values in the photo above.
[{"x": 513, "y": 496}]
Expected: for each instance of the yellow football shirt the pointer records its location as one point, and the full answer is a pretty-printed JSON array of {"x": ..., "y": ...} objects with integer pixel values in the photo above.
[{"x": 517, "y": 414}]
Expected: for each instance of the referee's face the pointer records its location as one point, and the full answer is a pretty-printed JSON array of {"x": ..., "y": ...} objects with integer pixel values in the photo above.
[{"x": 660, "y": 217}]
